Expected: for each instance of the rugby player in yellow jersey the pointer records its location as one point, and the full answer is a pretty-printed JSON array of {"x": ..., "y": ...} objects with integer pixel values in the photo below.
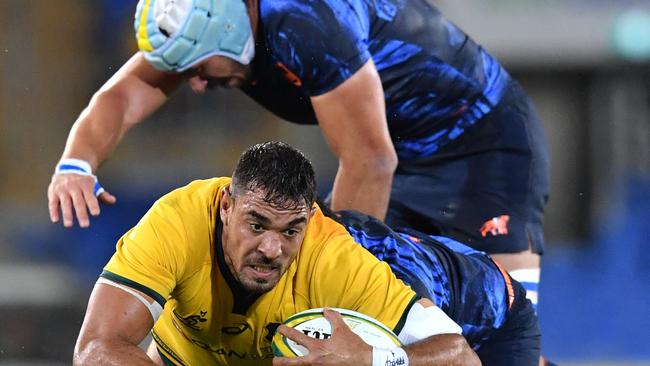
[{"x": 214, "y": 267}]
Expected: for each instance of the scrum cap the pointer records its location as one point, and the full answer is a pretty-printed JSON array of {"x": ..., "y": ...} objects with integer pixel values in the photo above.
[{"x": 174, "y": 35}]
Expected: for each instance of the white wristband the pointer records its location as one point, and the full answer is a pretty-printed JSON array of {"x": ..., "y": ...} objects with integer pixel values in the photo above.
[
  {"x": 389, "y": 357},
  {"x": 73, "y": 166},
  {"x": 79, "y": 167}
]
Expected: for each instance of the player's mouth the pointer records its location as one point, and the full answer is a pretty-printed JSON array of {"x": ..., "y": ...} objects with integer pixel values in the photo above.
[{"x": 262, "y": 271}]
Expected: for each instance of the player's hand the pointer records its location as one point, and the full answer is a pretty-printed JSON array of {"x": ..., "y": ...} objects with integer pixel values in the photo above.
[
  {"x": 342, "y": 348},
  {"x": 74, "y": 191}
]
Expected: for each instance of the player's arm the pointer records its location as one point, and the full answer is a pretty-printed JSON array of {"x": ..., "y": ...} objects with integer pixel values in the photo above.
[
  {"x": 431, "y": 339},
  {"x": 128, "y": 97},
  {"x": 117, "y": 320},
  {"x": 352, "y": 117}
]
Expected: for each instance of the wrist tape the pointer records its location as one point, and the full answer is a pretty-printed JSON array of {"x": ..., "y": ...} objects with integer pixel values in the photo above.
[
  {"x": 79, "y": 167},
  {"x": 389, "y": 357}
]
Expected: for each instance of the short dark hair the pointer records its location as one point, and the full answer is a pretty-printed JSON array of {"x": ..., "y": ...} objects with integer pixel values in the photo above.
[{"x": 283, "y": 172}]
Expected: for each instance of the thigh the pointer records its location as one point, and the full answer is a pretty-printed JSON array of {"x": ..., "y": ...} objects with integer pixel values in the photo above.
[
  {"x": 518, "y": 341},
  {"x": 468, "y": 202},
  {"x": 487, "y": 188}
]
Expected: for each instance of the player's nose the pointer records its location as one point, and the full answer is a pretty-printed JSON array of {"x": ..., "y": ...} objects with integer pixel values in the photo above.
[{"x": 271, "y": 245}]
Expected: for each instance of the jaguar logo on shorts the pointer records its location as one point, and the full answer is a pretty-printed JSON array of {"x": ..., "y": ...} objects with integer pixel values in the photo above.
[
  {"x": 288, "y": 74},
  {"x": 496, "y": 226}
]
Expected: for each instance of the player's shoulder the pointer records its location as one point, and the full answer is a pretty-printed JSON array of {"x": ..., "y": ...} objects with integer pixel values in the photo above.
[
  {"x": 328, "y": 241},
  {"x": 192, "y": 206},
  {"x": 196, "y": 192},
  {"x": 285, "y": 7},
  {"x": 322, "y": 228},
  {"x": 276, "y": 13}
]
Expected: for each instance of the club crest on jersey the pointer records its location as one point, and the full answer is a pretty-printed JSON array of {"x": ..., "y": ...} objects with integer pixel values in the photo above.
[
  {"x": 288, "y": 74},
  {"x": 496, "y": 226}
]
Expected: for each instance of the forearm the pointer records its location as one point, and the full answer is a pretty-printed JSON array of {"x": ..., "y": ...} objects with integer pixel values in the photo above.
[
  {"x": 442, "y": 349},
  {"x": 98, "y": 130},
  {"x": 109, "y": 353},
  {"x": 129, "y": 97},
  {"x": 364, "y": 186}
]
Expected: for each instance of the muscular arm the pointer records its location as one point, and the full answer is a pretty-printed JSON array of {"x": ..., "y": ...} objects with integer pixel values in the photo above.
[
  {"x": 439, "y": 347},
  {"x": 128, "y": 97},
  {"x": 432, "y": 338},
  {"x": 115, "y": 323},
  {"x": 353, "y": 120},
  {"x": 131, "y": 95},
  {"x": 442, "y": 349}
]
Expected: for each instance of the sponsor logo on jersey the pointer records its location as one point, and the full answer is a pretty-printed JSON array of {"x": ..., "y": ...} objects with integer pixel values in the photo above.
[
  {"x": 496, "y": 226},
  {"x": 219, "y": 349},
  {"x": 267, "y": 352}
]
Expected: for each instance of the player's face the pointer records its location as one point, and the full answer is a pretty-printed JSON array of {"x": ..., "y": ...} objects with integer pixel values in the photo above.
[
  {"x": 217, "y": 71},
  {"x": 260, "y": 240}
]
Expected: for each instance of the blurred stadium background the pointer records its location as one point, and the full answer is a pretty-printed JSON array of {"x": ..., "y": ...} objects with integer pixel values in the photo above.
[{"x": 584, "y": 62}]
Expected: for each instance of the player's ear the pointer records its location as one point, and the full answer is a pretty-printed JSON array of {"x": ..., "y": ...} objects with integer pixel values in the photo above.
[
  {"x": 313, "y": 211},
  {"x": 225, "y": 204}
]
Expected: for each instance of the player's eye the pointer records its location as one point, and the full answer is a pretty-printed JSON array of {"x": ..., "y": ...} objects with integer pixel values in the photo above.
[
  {"x": 195, "y": 71},
  {"x": 256, "y": 227},
  {"x": 291, "y": 232}
]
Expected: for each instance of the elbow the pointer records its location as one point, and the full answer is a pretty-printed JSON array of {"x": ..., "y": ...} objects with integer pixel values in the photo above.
[
  {"x": 387, "y": 162},
  {"x": 82, "y": 351},
  {"x": 378, "y": 165},
  {"x": 465, "y": 353},
  {"x": 89, "y": 352}
]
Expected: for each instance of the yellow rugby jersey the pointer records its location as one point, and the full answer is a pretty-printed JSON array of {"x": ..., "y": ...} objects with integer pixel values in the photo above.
[{"x": 174, "y": 255}]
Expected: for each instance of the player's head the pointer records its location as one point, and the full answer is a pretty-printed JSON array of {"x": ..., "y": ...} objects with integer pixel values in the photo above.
[
  {"x": 175, "y": 35},
  {"x": 278, "y": 169},
  {"x": 265, "y": 213}
]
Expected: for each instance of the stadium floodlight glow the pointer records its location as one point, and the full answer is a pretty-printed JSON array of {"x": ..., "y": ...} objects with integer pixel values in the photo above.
[{"x": 631, "y": 35}]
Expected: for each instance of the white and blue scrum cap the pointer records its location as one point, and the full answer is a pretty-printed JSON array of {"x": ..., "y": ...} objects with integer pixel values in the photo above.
[{"x": 174, "y": 35}]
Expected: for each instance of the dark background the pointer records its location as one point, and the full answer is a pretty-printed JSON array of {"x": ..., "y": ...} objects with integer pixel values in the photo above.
[{"x": 584, "y": 63}]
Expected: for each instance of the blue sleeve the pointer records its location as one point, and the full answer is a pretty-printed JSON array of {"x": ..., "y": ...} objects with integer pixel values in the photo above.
[{"x": 322, "y": 42}]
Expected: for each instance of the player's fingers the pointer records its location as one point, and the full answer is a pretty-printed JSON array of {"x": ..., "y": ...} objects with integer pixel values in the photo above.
[
  {"x": 66, "y": 209},
  {"x": 91, "y": 202},
  {"x": 335, "y": 319},
  {"x": 53, "y": 205},
  {"x": 296, "y": 336},
  {"x": 291, "y": 361},
  {"x": 80, "y": 209},
  {"x": 107, "y": 198}
]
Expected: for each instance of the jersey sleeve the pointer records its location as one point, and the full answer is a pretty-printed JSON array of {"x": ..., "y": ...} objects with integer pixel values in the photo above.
[
  {"x": 148, "y": 257},
  {"x": 350, "y": 277},
  {"x": 169, "y": 243},
  {"x": 322, "y": 42}
]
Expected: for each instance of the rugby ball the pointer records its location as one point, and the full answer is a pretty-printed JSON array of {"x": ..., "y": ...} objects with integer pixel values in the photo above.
[{"x": 313, "y": 323}]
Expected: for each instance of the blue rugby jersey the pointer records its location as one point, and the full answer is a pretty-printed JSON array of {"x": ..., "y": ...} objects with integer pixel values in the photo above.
[
  {"x": 463, "y": 282},
  {"x": 436, "y": 80}
]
